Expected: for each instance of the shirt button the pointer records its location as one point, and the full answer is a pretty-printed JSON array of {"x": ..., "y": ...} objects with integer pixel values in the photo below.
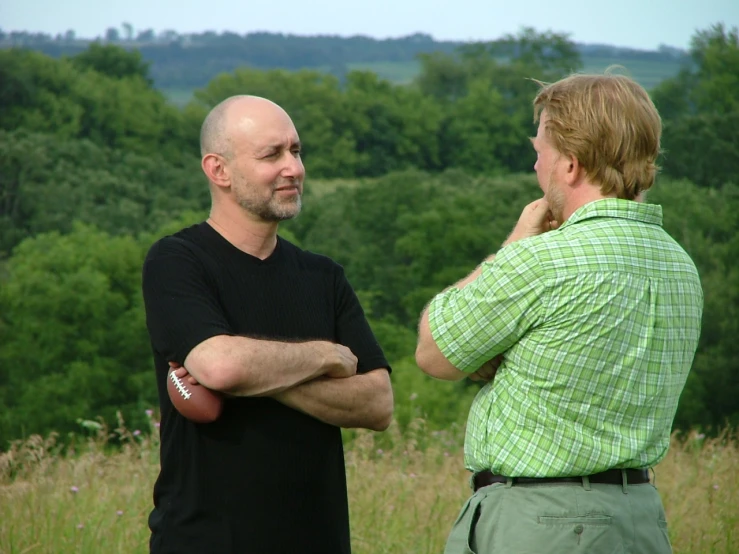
[{"x": 579, "y": 529}]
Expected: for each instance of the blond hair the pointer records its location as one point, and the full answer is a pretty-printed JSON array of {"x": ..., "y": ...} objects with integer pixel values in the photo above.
[{"x": 609, "y": 124}]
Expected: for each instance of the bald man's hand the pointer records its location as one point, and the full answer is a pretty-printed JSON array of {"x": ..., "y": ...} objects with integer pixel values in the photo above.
[{"x": 487, "y": 371}]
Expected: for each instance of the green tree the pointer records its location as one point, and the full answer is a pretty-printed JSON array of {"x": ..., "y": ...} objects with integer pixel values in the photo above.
[
  {"x": 507, "y": 63},
  {"x": 46, "y": 184},
  {"x": 393, "y": 127},
  {"x": 715, "y": 53},
  {"x": 486, "y": 90},
  {"x": 113, "y": 61},
  {"x": 127, "y": 113},
  {"x": 700, "y": 109},
  {"x": 128, "y": 29},
  {"x": 703, "y": 148},
  {"x": 112, "y": 34},
  {"x": 72, "y": 100},
  {"x": 482, "y": 135},
  {"x": 35, "y": 93},
  {"x": 443, "y": 76},
  {"x": 72, "y": 338}
]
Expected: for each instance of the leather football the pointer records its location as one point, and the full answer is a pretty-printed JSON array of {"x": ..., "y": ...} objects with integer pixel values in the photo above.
[{"x": 195, "y": 402}]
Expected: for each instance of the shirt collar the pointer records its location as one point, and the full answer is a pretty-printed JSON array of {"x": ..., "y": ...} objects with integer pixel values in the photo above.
[{"x": 617, "y": 208}]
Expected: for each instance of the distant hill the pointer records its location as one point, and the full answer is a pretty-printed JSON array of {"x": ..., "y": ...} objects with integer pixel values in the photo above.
[
  {"x": 647, "y": 72},
  {"x": 181, "y": 63}
]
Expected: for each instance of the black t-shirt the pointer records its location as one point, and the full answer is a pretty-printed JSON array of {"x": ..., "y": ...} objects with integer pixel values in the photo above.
[{"x": 263, "y": 478}]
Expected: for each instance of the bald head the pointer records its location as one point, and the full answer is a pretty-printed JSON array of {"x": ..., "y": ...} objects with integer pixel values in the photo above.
[{"x": 229, "y": 116}]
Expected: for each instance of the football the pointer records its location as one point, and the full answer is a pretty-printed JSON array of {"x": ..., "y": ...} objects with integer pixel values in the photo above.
[{"x": 195, "y": 402}]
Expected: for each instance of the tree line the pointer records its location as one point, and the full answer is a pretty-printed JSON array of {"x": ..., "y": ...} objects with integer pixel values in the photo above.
[
  {"x": 409, "y": 188},
  {"x": 190, "y": 60}
]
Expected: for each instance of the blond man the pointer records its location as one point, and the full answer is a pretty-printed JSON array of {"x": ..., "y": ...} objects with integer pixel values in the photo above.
[{"x": 585, "y": 323}]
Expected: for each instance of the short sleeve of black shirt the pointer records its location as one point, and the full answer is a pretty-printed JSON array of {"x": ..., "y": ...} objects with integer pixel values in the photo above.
[{"x": 181, "y": 299}]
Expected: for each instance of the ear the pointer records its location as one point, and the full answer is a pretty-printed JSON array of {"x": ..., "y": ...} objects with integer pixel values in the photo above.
[
  {"x": 215, "y": 169},
  {"x": 572, "y": 170}
]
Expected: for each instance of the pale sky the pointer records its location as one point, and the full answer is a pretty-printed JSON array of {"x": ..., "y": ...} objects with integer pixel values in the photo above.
[{"x": 643, "y": 24}]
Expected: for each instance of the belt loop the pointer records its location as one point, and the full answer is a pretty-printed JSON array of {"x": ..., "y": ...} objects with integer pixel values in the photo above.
[
  {"x": 624, "y": 481},
  {"x": 508, "y": 482},
  {"x": 586, "y": 482},
  {"x": 654, "y": 476},
  {"x": 472, "y": 482}
]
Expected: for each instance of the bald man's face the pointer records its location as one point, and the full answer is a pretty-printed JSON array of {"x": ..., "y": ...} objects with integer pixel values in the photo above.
[{"x": 267, "y": 172}]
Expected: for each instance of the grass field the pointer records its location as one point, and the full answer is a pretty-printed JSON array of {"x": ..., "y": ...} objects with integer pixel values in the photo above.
[
  {"x": 178, "y": 96},
  {"x": 403, "y": 499},
  {"x": 400, "y": 73},
  {"x": 647, "y": 73}
]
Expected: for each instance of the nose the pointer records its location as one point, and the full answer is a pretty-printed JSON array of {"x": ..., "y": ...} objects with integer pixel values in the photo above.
[{"x": 293, "y": 167}]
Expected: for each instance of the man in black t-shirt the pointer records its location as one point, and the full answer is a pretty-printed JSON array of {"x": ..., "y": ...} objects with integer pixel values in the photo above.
[{"x": 280, "y": 331}]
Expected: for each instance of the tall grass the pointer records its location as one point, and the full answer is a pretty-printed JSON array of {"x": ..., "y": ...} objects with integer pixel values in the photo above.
[{"x": 405, "y": 490}]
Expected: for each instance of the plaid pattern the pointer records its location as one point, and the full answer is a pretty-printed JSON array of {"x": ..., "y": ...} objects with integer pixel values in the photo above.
[{"x": 599, "y": 321}]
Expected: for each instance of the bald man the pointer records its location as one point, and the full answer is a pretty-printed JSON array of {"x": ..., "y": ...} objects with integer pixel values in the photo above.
[{"x": 276, "y": 329}]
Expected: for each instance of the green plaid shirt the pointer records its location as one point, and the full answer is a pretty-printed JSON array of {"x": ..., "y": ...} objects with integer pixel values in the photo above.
[{"x": 599, "y": 322}]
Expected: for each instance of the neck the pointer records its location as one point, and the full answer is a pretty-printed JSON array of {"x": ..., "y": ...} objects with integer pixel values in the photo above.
[
  {"x": 580, "y": 194},
  {"x": 255, "y": 237}
]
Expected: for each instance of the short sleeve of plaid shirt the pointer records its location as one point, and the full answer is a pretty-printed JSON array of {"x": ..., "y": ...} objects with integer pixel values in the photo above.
[{"x": 474, "y": 324}]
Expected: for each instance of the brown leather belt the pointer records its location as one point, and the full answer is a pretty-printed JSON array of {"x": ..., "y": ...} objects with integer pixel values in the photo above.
[{"x": 609, "y": 477}]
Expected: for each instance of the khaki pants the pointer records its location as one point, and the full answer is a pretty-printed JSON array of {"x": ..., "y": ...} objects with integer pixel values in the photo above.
[{"x": 561, "y": 518}]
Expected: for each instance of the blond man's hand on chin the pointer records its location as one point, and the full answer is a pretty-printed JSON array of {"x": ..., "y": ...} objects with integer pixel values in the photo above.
[{"x": 536, "y": 218}]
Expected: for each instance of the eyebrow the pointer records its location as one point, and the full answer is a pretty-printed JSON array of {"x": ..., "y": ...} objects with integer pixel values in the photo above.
[{"x": 279, "y": 146}]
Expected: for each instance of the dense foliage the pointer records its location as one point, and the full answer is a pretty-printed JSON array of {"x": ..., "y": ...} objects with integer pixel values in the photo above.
[{"x": 426, "y": 180}]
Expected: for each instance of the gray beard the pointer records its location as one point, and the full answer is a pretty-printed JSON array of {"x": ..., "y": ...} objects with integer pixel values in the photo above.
[{"x": 271, "y": 211}]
